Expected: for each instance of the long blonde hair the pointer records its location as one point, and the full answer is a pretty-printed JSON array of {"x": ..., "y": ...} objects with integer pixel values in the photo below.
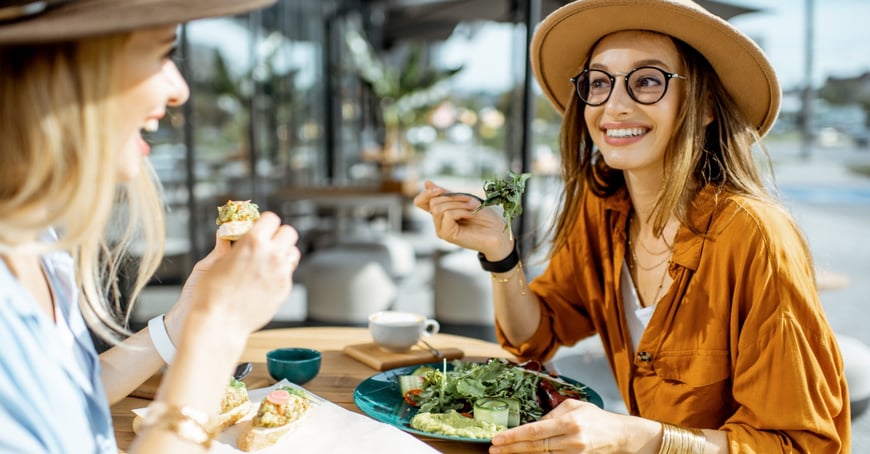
[
  {"x": 59, "y": 171},
  {"x": 720, "y": 154}
]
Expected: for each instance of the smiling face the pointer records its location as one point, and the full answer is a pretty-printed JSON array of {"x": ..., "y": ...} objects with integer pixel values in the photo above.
[
  {"x": 632, "y": 136},
  {"x": 147, "y": 81}
]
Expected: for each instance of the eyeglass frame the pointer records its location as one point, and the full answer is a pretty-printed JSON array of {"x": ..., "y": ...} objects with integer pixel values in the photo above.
[{"x": 625, "y": 76}]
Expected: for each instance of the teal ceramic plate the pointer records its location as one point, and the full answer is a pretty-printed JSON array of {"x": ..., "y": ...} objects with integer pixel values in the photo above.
[{"x": 379, "y": 397}]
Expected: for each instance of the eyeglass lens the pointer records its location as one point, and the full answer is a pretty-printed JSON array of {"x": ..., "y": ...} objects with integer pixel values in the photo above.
[{"x": 646, "y": 85}]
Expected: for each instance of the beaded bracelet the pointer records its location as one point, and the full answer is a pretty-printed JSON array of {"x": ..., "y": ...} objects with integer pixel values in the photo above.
[
  {"x": 186, "y": 423},
  {"x": 676, "y": 440}
]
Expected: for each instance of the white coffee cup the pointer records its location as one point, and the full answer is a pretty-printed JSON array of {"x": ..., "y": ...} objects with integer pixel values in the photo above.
[{"x": 399, "y": 331}]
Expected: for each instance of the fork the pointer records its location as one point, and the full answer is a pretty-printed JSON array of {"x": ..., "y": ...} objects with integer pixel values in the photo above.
[{"x": 434, "y": 351}]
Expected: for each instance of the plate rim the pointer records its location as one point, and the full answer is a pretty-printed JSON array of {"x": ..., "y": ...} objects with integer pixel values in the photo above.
[{"x": 357, "y": 396}]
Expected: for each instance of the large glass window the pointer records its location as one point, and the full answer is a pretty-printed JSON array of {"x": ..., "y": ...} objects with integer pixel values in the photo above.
[{"x": 255, "y": 120}]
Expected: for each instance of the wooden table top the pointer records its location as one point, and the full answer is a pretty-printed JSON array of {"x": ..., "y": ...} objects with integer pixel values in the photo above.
[{"x": 339, "y": 374}]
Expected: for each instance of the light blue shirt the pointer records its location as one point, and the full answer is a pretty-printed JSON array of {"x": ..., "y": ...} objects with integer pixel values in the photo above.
[{"x": 51, "y": 394}]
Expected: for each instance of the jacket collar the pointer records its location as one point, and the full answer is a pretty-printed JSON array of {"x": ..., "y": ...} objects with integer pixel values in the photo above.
[{"x": 688, "y": 245}]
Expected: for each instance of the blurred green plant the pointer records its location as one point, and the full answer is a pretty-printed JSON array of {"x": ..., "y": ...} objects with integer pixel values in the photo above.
[
  {"x": 406, "y": 90},
  {"x": 225, "y": 99}
]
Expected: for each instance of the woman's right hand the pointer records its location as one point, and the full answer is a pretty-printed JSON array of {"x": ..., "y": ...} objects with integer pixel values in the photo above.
[
  {"x": 244, "y": 285},
  {"x": 457, "y": 222}
]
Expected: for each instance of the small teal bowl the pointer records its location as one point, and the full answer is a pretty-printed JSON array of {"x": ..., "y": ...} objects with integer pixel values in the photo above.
[{"x": 297, "y": 365}]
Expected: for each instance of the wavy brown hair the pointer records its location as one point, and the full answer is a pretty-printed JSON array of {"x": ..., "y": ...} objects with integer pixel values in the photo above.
[
  {"x": 59, "y": 171},
  {"x": 720, "y": 153}
]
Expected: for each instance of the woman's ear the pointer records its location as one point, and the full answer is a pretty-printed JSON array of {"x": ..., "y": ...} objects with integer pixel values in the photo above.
[{"x": 708, "y": 112}]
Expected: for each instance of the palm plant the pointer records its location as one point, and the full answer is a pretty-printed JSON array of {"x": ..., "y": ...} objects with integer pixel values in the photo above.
[{"x": 404, "y": 91}]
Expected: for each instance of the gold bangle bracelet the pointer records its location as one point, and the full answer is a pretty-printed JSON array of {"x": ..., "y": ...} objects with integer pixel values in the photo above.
[
  {"x": 677, "y": 440},
  {"x": 186, "y": 423}
]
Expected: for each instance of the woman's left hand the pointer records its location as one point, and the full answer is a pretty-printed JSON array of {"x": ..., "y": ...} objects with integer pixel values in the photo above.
[{"x": 577, "y": 426}]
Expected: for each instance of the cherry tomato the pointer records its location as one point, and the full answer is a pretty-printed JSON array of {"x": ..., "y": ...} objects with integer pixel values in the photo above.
[{"x": 409, "y": 397}]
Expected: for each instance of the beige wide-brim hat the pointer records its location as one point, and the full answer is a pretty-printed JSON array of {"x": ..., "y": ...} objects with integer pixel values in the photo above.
[
  {"x": 564, "y": 39},
  {"x": 34, "y": 22}
]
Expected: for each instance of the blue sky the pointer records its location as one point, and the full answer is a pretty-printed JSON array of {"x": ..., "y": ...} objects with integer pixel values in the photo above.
[{"x": 842, "y": 42}]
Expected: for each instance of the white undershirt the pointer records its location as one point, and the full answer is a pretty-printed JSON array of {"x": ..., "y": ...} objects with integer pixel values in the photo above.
[{"x": 636, "y": 317}]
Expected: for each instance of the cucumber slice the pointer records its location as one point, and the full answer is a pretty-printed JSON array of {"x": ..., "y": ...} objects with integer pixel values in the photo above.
[
  {"x": 513, "y": 411},
  {"x": 409, "y": 383},
  {"x": 492, "y": 410},
  {"x": 422, "y": 371}
]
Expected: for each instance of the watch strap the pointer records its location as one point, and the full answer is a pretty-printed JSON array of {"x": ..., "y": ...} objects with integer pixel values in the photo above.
[{"x": 502, "y": 266}]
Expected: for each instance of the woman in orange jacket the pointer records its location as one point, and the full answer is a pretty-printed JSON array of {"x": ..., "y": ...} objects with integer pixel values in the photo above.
[{"x": 668, "y": 245}]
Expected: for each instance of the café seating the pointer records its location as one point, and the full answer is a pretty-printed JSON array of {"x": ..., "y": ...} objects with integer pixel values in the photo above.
[
  {"x": 462, "y": 294},
  {"x": 394, "y": 254},
  {"x": 344, "y": 285},
  {"x": 856, "y": 362},
  {"x": 157, "y": 299}
]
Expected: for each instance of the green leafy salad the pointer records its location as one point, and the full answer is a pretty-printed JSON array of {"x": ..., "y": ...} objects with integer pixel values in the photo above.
[
  {"x": 498, "y": 392},
  {"x": 508, "y": 193}
]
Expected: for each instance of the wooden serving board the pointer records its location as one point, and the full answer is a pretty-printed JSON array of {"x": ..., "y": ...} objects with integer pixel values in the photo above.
[{"x": 379, "y": 359}]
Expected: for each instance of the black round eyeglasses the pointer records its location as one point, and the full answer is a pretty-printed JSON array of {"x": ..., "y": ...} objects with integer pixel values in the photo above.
[{"x": 645, "y": 84}]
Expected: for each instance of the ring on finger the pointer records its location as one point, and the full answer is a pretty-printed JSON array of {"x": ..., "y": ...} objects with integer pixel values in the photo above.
[{"x": 546, "y": 445}]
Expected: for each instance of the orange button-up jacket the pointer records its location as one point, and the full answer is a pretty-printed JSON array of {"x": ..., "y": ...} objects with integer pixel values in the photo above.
[{"x": 739, "y": 343}]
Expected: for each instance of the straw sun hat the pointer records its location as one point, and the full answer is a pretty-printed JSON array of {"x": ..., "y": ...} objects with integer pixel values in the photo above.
[
  {"x": 563, "y": 40},
  {"x": 33, "y": 21}
]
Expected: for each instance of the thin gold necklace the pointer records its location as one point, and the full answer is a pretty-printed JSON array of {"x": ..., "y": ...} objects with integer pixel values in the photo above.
[
  {"x": 634, "y": 254},
  {"x": 668, "y": 246},
  {"x": 636, "y": 264}
]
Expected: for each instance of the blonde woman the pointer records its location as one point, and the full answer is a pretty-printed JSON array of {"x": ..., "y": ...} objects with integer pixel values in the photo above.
[
  {"x": 668, "y": 245},
  {"x": 81, "y": 79}
]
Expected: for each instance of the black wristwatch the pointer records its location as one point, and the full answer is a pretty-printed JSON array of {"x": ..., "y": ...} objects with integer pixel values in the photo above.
[{"x": 502, "y": 266}]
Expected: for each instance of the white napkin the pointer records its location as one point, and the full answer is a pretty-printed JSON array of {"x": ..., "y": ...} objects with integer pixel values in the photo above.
[{"x": 326, "y": 427}]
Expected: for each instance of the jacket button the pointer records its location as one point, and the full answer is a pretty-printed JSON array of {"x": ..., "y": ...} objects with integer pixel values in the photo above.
[{"x": 644, "y": 356}]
